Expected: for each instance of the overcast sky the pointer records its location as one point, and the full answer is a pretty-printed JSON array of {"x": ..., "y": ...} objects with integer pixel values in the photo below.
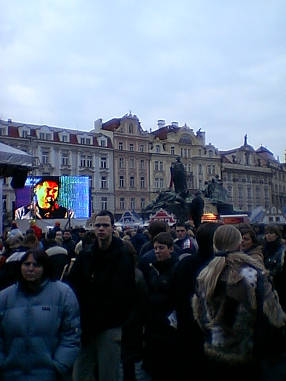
[{"x": 218, "y": 65}]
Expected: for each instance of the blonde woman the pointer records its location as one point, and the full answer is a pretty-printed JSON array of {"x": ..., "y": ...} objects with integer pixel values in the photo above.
[{"x": 233, "y": 294}]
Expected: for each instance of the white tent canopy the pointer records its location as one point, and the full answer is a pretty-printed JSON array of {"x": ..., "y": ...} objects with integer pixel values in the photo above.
[
  {"x": 13, "y": 162},
  {"x": 13, "y": 156}
]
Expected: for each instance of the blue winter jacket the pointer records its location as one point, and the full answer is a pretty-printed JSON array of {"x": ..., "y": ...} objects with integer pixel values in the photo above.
[{"x": 39, "y": 332}]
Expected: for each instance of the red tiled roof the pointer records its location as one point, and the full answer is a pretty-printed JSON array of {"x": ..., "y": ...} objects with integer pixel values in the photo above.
[
  {"x": 73, "y": 139},
  {"x": 13, "y": 132},
  {"x": 162, "y": 133},
  {"x": 56, "y": 137},
  {"x": 112, "y": 124}
]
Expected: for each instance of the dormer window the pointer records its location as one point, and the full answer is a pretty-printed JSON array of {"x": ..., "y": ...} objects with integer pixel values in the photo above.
[
  {"x": 102, "y": 143},
  {"x": 45, "y": 136},
  {"x": 85, "y": 140},
  {"x": 25, "y": 134},
  {"x": 158, "y": 148},
  {"x": 64, "y": 138},
  {"x": 3, "y": 131}
]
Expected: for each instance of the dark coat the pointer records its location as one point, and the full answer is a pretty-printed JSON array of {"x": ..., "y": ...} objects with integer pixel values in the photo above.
[{"x": 104, "y": 282}]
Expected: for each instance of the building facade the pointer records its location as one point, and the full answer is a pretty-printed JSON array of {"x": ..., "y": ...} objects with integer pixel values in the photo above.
[
  {"x": 128, "y": 166},
  {"x": 57, "y": 152}
]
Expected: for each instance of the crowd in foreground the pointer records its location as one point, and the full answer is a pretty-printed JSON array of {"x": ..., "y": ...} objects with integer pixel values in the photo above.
[{"x": 183, "y": 301}]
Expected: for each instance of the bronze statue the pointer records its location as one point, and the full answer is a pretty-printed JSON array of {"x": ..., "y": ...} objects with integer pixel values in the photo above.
[{"x": 178, "y": 177}]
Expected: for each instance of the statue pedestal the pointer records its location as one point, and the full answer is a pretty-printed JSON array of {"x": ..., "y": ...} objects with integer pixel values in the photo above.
[{"x": 209, "y": 207}]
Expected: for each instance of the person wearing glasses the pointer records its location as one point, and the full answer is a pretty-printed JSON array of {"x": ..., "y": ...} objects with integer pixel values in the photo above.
[
  {"x": 103, "y": 277},
  {"x": 40, "y": 324}
]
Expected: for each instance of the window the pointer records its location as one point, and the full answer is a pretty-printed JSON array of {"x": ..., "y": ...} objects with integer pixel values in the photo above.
[
  {"x": 102, "y": 143},
  {"x": 131, "y": 182},
  {"x": 213, "y": 170},
  {"x": 142, "y": 182},
  {"x": 131, "y": 147},
  {"x": 85, "y": 141},
  {"x": 200, "y": 169},
  {"x": 65, "y": 158},
  {"x": 122, "y": 203},
  {"x": 156, "y": 165},
  {"x": 42, "y": 136},
  {"x": 89, "y": 161},
  {"x": 156, "y": 183},
  {"x": 161, "y": 184},
  {"x": 141, "y": 148},
  {"x": 121, "y": 162},
  {"x": 2, "y": 131},
  {"x": 45, "y": 157},
  {"x": 82, "y": 160},
  {"x": 158, "y": 150},
  {"x": 161, "y": 166},
  {"x": 142, "y": 164},
  {"x": 209, "y": 169},
  {"x": 142, "y": 203},
  {"x": 48, "y": 136},
  {"x": 24, "y": 134},
  {"x": 132, "y": 203},
  {"x": 64, "y": 138},
  {"x": 103, "y": 182},
  {"x": 211, "y": 153},
  {"x": 130, "y": 129},
  {"x": 120, "y": 146},
  {"x": 172, "y": 150},
  {"x": 103, "y": 203},
  {"x": 121, "y": 181},
  {"x": 132, "y": 163},
  {"x": 103, "y": 162}
]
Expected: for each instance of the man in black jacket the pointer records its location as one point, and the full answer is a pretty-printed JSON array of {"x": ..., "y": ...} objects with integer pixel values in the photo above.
[
  {"x": 103, "y": 279},
  {"x": 197, "y": 209}
]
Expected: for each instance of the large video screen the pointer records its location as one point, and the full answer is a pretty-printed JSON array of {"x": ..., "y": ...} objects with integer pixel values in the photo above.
[{"x": 47, "y": 197}]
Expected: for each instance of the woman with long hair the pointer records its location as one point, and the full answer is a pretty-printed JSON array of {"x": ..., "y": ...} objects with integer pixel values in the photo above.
[{"x": 233, "y": 295}]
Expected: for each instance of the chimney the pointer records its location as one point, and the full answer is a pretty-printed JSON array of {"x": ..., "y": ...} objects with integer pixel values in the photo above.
[
  {"x": 97, "y": 125},
  {"x": 161, "y": 123}
]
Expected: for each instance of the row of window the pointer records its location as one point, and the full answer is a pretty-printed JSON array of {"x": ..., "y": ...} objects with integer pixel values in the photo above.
[
  {"x": 131, "y": 182},
  {"x": 63, "y": 138},
  {"x": 85, "y": 160},
  {"x": 184, "y": 151},
  {"x": 123, "y": 204}
]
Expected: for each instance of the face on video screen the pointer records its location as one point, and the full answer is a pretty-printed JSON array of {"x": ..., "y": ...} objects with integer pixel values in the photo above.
[
  {"x": 54, "y": 197},
  {"x": 47, "y": 193}
]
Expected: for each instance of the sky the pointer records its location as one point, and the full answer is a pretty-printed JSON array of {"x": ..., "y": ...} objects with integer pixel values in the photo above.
[{"x": 218, "y": 65}]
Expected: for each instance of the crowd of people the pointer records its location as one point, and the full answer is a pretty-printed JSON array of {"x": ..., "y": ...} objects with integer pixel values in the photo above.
[{"x": 205, "y": 299}]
